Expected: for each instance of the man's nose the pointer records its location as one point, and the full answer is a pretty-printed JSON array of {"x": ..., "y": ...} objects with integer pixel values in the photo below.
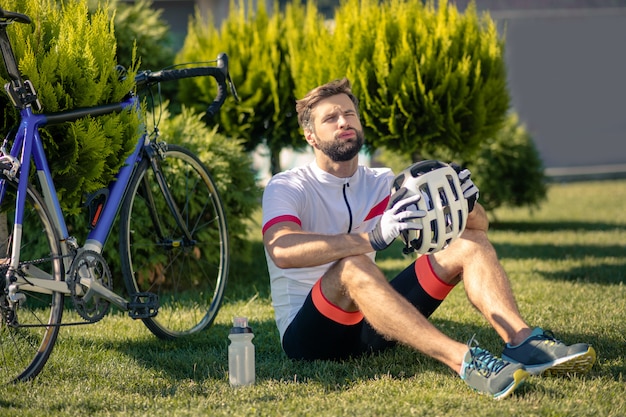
[{"x": 342, "y": 121}]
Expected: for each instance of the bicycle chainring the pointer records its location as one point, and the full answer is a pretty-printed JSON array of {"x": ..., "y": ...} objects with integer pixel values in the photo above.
[{"x": 89, "y": 265}]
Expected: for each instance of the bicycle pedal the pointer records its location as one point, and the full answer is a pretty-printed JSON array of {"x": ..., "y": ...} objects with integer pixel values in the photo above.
[{"x": 143, "y": 305}]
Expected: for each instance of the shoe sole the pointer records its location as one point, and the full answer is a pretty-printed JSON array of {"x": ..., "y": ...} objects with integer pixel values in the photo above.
[
  {"x": 519, "y": 377},
  {"x": 576, "y": 364}
]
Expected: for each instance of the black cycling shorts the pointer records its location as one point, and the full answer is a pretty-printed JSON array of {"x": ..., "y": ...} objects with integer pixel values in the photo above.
[{"x": 321, "y": 330}]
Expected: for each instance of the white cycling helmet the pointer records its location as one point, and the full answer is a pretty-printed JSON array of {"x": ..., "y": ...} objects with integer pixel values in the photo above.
[{"x": 442, "y": 200}]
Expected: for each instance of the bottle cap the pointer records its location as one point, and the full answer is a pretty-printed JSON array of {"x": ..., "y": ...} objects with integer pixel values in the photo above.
[{"x": 240, "y": 325}]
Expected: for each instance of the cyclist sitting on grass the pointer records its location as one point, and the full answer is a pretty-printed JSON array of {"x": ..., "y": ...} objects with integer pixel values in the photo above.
[{"x": 323, "y": 223}]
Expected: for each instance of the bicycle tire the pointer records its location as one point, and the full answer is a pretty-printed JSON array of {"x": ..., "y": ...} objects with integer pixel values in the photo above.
[
  {"x": 25, "y": 350},
  {"x": 189, "y": 279}
]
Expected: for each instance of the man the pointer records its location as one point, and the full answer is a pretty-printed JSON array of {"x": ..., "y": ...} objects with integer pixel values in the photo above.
[{"x": 323, "y": 223}]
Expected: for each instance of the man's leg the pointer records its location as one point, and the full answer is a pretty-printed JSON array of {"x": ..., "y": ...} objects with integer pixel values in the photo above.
[
  {"x": 356, "y": 284},
  {"x": 473, "y": 258}
]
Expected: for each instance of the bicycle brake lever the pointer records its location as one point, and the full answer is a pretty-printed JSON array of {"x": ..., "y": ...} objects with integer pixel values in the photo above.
[{"x": 232, "y": 87}]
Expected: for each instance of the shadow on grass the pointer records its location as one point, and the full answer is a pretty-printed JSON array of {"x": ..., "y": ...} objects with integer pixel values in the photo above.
[
  {"x": 204, "y": 357},
  {"x": 555, "y": 226},
  {"x": 246, "y": 279},
  {"x": 597, "y": 267}
]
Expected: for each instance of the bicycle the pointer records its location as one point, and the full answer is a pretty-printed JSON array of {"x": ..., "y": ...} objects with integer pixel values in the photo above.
[{"x": 173, "y": 232}]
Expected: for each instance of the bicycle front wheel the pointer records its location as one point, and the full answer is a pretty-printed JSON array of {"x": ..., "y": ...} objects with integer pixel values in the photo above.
[
  {"x": 30, "y": 319},
  {"x": 188, "y": 274}
]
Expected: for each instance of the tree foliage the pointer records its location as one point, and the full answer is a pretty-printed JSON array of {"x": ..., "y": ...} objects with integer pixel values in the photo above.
[
  {"x": 260, "y": 69},
  {"x": 140, "y": 32},
  {"x": 69, "y": 55},
  {"x": 428, "y": 77},
  {"x": 431, "y": 80}
]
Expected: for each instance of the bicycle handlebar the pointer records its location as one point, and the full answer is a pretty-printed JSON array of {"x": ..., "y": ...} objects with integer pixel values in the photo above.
[
  {"x": 219, "y": 73},
  {"x": 18, "y": 17}
]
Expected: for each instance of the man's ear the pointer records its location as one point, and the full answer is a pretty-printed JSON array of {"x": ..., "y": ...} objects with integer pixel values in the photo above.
[{"x": 309, "y": 136}]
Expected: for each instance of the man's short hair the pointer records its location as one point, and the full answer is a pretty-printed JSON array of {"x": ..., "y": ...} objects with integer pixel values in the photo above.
[{"x": 305, "y": 105}]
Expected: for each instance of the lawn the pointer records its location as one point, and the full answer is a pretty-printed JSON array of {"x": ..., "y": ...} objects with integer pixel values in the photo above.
[{"x": 567, "y": 265}]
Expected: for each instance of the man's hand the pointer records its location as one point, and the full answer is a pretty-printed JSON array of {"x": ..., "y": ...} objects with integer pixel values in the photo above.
[
  {"x": 395, "y": 219},
  {"x": 470, "y": 190}
]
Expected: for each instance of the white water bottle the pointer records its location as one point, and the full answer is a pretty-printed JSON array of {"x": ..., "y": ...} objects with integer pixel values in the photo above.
[{"x": 241, "y": 353}]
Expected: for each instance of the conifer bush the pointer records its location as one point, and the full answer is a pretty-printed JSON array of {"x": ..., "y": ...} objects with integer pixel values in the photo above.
[
  {"x": 429, "y": 77},
  {"x": 261, "y": 70},
  {"x": 69, "y": 55},
  {"x": 141, "y": 32},
  {"x": 431, "y": 80}
]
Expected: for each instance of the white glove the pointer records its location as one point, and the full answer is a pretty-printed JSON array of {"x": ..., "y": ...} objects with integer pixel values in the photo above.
[
  {"x": 396, "y": 218},
  {"x": 470, "y": 190}
]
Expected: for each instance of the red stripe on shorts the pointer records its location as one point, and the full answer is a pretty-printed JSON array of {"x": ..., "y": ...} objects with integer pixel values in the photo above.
[
  {"x": 331, "y": 311},
  {"x": 429, "y": 281}
]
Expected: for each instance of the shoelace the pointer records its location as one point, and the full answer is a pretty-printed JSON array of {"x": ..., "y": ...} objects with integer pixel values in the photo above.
[
  {"x": 483, "y": 361},
  {"x": 549, "y": 338}
]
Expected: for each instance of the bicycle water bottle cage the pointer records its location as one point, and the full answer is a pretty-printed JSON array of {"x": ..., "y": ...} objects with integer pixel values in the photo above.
[{"x": 95, "y": 203}]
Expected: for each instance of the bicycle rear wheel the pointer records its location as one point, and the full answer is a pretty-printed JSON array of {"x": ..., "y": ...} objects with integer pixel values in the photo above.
[
  {"x": 29, "y": 330},
  {"x": 189, "y": 276}
]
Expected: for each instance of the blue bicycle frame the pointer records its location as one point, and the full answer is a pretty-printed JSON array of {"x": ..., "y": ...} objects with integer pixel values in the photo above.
[{"x": 27, "y": 145}]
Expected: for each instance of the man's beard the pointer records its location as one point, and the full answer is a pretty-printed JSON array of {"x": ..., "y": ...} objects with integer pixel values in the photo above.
[{"x": 340, "y": 151}]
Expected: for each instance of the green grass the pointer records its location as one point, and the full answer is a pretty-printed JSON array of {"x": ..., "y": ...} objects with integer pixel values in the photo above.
[{"x": 567, "y": 265}]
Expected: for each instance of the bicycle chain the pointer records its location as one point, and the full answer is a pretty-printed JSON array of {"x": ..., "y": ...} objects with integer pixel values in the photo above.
[
  {"x": 5, "y": 267},
  {"x": 92, "y": 313}
]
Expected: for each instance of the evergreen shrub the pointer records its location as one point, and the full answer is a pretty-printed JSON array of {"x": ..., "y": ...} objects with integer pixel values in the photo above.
[
  {"x": 69, "y": 55},
  {"x": 507, "y": 167},
  {"x": 261, "y": 68}
]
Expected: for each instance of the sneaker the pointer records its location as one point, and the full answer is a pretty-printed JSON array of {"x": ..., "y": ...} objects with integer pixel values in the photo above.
[
  {"x": 542, "y": 353},
  {"x": 489, "y": 374}
]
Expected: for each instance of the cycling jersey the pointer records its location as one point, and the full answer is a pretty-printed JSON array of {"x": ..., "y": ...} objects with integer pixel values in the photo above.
[{"x": 321, "y": 203}]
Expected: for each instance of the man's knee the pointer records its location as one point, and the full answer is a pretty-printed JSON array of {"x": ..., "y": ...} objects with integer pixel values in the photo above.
[
  {"x": 472, "y": 243},
  {"x": 358, "y": 265},
  {"x": 348, "y": 273}
]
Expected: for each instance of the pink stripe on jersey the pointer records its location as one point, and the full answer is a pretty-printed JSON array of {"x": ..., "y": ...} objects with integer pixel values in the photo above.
[{"x": 280, "y": 219}]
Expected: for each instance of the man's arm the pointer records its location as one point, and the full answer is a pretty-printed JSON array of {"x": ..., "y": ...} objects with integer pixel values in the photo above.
[
  {"x": 291, "y": 247},
  {"x": 477, "y": 219}
]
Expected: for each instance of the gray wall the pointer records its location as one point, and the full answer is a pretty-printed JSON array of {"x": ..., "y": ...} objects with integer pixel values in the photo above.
[{"x": 567, "y": 74}]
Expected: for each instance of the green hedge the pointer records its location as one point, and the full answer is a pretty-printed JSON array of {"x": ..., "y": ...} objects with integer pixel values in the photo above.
[
  {"x": 431, "y": 80},
  {"x": 69, "y": 55}
]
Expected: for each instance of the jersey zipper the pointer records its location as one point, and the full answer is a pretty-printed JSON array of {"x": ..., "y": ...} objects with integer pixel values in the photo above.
[{"x": 345, "y": 197}]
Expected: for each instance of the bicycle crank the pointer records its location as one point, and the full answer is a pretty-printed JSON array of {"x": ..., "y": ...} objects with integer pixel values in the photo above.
[{"x": 89, "y": 266}]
